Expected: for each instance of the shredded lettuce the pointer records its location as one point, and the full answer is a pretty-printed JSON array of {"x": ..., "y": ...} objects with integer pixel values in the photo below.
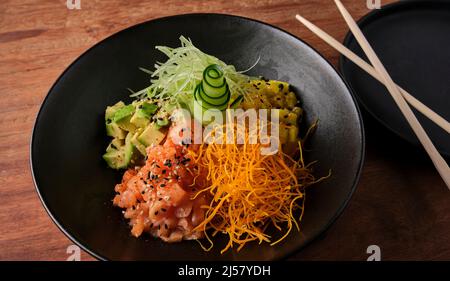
[{"x": 177, "y": 78}]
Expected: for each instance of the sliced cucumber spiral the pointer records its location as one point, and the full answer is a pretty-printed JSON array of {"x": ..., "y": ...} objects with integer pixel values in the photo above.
[{"x": 212, "y": 91}]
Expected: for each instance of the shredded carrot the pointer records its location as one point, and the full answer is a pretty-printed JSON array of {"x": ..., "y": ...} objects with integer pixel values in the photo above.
[{"x": 251, "y": 191}]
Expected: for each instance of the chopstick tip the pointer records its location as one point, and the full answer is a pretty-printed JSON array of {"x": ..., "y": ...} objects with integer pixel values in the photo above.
[
  {"x": 301, "y": 19},
  {"x": 339, "y": 4}
]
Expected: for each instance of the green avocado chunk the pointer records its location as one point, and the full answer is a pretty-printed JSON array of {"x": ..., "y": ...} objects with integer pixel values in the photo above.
[
  {"x": 148, "y": 108},
  {"x": 119, "y": 157},
  {"x": 123, "y": 116},
  {"x": 144, "y": 111},
  {"x": 162, "y": 122},
  {"x": 139, "y": 146},
  {"x": 151, "y": 135},
  {"x": 115, "y": 144},
  {"x": 113, "y": 130},
  {"x": 111, "y": 110}
]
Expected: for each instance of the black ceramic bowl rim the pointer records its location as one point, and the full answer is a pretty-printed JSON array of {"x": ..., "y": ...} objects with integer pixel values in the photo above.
[
  {"x": 366, "y": 19},
  {"x": 308, "y": 241}
]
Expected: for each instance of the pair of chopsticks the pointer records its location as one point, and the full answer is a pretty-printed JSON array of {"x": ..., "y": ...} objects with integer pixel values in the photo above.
[{"x": 400, "y": 96}]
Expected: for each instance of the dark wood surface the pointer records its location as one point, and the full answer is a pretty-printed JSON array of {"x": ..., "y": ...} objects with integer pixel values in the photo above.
[{"x": 400, "y": 204}]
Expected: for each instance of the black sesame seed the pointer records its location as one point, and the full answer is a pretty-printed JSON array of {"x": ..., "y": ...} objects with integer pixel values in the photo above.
[{"x": 185, "y": 160}]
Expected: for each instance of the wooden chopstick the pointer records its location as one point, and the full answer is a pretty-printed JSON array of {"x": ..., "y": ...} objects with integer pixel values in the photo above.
[
  {"x": 425, "y": 110},
  {"x": 436, "y": 158}
]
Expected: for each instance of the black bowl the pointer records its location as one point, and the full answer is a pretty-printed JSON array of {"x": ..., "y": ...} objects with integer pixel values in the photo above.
[{"x": 75, "y": 185}]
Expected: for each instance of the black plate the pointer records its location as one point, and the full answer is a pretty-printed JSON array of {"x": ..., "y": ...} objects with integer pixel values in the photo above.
[
  {"x": 412, "y": 39},
  {"x": 75, "y": 185}
]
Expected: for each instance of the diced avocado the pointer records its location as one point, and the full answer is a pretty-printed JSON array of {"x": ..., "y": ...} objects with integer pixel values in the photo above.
[
  {"x": 111, "y": 110},
  {"x": 123, "y": 113},
  {"x": 148, "y": 108},
  {"x": 115, "y": 159},
  {"x": 115, "y": 144},
  {"x": 113, "y": 130},
  {"x": 139, "y": 120},
  {"x": 144, "y": 111},
  {"x": 139, "y": 146},
  {"x": 162, "y": 122},
  {"x": 122, "y": 118},
  {"x": 126, "y": 125},
  {"x": 121, "y": 157},
  {"x": 151, "y": 135}
]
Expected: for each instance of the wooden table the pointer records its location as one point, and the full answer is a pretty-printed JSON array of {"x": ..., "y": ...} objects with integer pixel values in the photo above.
[{"x": 401, "y": 205}]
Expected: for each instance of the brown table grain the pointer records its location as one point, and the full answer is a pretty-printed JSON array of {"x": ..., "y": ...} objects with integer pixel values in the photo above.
[{"x": 400, "y": 204}]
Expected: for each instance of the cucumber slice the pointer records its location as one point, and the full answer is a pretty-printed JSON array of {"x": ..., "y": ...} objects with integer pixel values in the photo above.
[
  {"x": 212, "y": 91},
  {"x": 199, "y": 98},
  {"x": 214, "y": 101},
  {"x": 213, "y": 76}
]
